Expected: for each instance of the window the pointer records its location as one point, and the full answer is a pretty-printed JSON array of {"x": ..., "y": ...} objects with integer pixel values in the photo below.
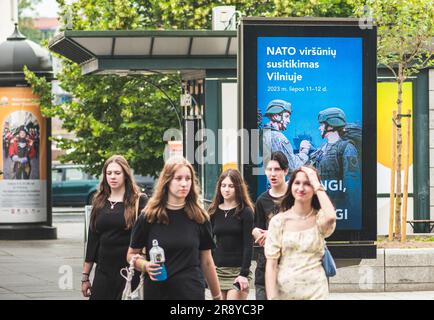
[
  {"x": 56, "y": 175},
  {"x": 73, "y": 174}
]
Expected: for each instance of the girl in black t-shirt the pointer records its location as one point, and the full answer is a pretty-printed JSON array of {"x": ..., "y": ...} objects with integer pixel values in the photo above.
[
  {"x": 115, "y": 207},
  {"x": 175, "y": 218},
  {"x": 232, "y": 220}
]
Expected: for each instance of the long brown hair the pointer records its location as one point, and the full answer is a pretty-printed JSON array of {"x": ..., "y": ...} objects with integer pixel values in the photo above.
[
  {"x": 155, "y": 210},
  {"x": 288, "y": 199},
  {"x": 242, "y": 196},
  {"x": 132, "y": 193}
]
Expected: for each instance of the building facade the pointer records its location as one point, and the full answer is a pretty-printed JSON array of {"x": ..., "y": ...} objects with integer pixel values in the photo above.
[{"x": 8, "y": 16}]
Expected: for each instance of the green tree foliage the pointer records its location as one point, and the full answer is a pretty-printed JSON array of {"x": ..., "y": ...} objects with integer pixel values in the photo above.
[
  {"x": 101, "y": 14},
  {"x": 110, "y": 114},
  {"x": 405, "y": 31},
  {"x": 193, "y": 14},
  {"x": 126, "y": 115},
  {"x": 313, "y": 8},
  {"x": 405, "y": 45}
]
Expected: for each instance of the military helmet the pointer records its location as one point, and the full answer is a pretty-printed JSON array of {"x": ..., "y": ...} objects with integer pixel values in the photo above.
[
  {"x": 277, "y": 106},
  {"x": 334, "y": 117}
]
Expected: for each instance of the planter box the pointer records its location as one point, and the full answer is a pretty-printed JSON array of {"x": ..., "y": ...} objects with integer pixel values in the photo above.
[{"x": 393, "y": 270}]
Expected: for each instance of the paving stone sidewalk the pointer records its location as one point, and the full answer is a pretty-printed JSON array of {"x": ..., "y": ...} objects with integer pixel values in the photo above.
[
  {"x": 43, "y": 269},
  {"x": 51, "y": 270}
]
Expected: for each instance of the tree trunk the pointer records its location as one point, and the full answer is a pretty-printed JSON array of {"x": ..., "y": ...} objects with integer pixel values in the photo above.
[{"x": 398, "y": 157}]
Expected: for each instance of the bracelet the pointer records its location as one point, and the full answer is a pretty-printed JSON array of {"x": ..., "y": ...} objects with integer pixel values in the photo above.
[
  {"x": 85, "y": 274},
  {"x": 143, "y": 266},
  {"x": 83, "y": 281}
]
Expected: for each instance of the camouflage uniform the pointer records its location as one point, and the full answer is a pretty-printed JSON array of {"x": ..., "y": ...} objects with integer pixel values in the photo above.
[
  {"x": 340, "y": 161},
  {"x": 275, "y": 140},
  {"x": 278, "y": 142}
]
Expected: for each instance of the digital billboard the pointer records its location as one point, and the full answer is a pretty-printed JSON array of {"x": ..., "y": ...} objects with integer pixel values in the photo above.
[
  {"x": 309, "y": 88},
  {"x": 320, "y": 79}
]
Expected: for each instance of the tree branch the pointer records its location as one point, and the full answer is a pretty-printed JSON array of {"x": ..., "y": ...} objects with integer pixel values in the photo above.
[
  {"x": 393, "y": 70},
  {"x": 415, "y": 51}
]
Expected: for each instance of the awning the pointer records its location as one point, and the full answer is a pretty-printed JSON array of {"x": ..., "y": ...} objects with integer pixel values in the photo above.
[{"x": 143, "y": 51}]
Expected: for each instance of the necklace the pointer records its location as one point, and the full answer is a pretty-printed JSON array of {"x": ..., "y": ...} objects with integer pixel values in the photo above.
[
  {"x": 302, "y": 217},
  {"x": 227, "y": 211},
  {"x": 176, "y": 206},
  {"x": 112, "y": 204}
]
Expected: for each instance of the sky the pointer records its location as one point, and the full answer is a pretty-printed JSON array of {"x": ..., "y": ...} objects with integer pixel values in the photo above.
[{"x": 47, "y": 8}]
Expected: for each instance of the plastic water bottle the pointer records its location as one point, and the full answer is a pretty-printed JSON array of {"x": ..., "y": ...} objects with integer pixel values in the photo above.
[{"x": 156, "y": 255}]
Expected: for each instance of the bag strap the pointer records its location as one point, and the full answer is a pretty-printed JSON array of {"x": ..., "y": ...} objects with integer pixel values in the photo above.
[
  {"x": 146, "y": 226},
  {"x": 137, "y": 205},
  {"x": 137, "y": 213}
]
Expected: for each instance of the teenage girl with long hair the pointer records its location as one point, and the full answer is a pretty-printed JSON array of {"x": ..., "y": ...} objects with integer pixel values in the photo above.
[
  {"x": 295, "y": 242},
  {"x": 174, "y": 216},
  {"x": 231, "y": 214},
  {"x": 115, "y": 207}
]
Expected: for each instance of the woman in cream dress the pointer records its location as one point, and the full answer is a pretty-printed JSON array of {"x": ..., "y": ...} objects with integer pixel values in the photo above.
[{"x": 295, "y": 243}]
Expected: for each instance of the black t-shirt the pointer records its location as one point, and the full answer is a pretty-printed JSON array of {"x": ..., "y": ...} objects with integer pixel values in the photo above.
[
  {"x": 265, "y": 208},
  {"x": 234, "y": 239},
  {"x": 182, "y": 240},
  {"x": 108, "y": 247},
  {"x": 108, "y": 244}
]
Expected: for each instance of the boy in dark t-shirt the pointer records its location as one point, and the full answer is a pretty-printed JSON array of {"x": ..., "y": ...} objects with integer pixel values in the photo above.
[{"x": 267, "y": 205}]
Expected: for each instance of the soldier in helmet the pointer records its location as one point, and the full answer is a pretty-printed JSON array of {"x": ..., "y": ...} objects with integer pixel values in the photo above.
[
  {"x": 337, "y": 159},
  {"x": 279, "y": 113}
]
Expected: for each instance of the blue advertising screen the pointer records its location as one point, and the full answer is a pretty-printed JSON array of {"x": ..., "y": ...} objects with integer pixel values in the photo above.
[{"x": 318, "y": 82}]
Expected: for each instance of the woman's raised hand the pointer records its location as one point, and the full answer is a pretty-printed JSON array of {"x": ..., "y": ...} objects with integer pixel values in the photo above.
[{"x": 311, "y": 175}]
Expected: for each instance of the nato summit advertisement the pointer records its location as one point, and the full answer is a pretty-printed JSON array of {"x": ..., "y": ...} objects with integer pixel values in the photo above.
[{"x": 309, "y": 92}]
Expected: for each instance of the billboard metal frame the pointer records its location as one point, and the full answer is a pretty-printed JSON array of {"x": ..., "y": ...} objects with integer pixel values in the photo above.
[{"x": 248, "y": 33}]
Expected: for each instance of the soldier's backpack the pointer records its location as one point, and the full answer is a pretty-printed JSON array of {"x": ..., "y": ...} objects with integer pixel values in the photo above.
[{"x": 353, "y": 135}]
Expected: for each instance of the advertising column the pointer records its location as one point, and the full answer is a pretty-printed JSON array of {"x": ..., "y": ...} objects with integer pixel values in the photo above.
[{"x": 23, "y": 184}]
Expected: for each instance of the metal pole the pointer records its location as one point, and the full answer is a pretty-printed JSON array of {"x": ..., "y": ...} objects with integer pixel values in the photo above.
[
  {"x": 392, "y": 178},
  {"x": 49, "y": 173},
  {"x": 406, "y": 165}
]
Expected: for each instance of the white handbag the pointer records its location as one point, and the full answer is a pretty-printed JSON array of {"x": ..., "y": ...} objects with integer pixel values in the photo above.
[{"x": 128, "y": 273}]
